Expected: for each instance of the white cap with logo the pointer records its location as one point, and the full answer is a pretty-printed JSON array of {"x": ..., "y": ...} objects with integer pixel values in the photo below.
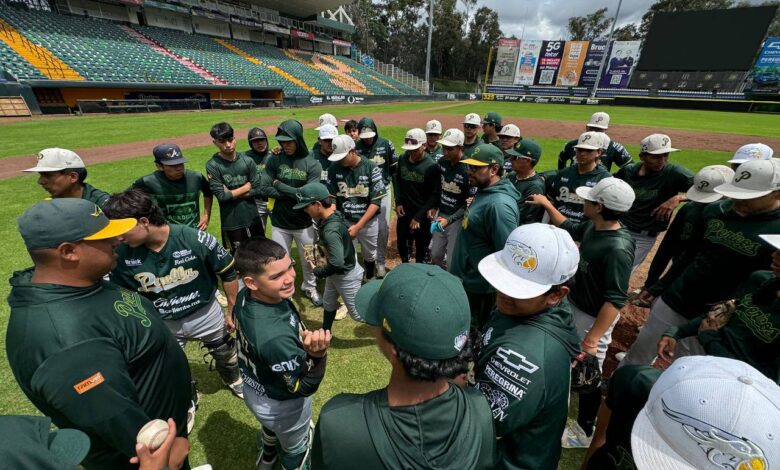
[
  {"x": 328, "y": 132},
  {"x": 752, "y": 180},
  {"x": 752, "y": 152},
  {"x": 599, "y": 120},
  {"x": 656, "y": 144},
  {"x": 367, "y": 133},
  {"x": 414, "y": 139},
  {"x": 342, "y": 145},
  {"x": 510, "y": 130},
  {"x": 452, "y": 138},
  {"x": 534, "y": 258},
  {"x": 708, "y": 412},
  {"x": 592, "y": 140},
  {"x": 473, "y": 119},
  {"x": 614, "y": 193},
  {"x": 56, "y": 159},
  {"x": 327, "y": 118},
  {"x": 705, "y": 182},
  {"x": 433, "y": 127}
]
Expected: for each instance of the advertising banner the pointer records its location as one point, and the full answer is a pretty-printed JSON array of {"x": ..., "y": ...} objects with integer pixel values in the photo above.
[
  {"x": 571, "y": 63},
  {"x": 766, "y": 73},
  {"x": 527, "y": 60},
  {"x": 275, "y": 29},
  {"x": 506, "y": 60},
  {"x": 590, "y": 68},
  {"x": 623, "y": 57},
  {"x": 549, "y": 61}
]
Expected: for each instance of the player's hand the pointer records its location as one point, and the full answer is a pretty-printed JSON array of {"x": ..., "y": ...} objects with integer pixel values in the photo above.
[
  {"x": 354, "y": 230},
  {"x": 230, "y": 322},
  {"x": 590, "y": 347},
  {"x": 316, "y": 343},
  {"x": 708, "y": 324},
  {"x": 414, "y": 224},
  {"x": 203, "y": 224},
  {"x": 537, "y": 200},
  {"x": 645, "y": 297},
  {"x": 276, "y": 150},
  {"x": 399, "y": 211},
  {"x": 443, "y": 222},
  {"x": 431, "y": 213},
  {"x": 171, "y": 453},
  {"x": 666, "y": 347},
  {"x": 665, "y": 210},
  {"x": 312, "y": 264}
]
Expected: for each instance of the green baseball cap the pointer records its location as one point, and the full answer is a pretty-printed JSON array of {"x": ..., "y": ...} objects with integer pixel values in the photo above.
[
  {"x": 35, "y": 442},
  {"x": 422, "y": 308},
  {"x": 309, "y": 193},
  {"x": 526, "y": 148},
  {"x": 492, "y": 118},
  {"x": 484, "y": 155},
  {"x": 55, "y": 221}
]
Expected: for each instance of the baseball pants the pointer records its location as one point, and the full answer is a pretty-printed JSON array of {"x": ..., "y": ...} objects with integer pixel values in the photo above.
[
  {"x": 346, "y": 286},
  {"x": 644, "y": 349},
  {"x": 367, "y": 239},
  {"x": 644, "y": 243},
  {"x": 584, "y": 322},
  {"x": 207, "y": 324},
  {"x": 302, "y": 238},
  {"x": 443, "y": 243},
  {"x": 384, "y": 227},
  {"x": 262, "y": 210},
  {"x": 421, "y": 236},
  {"x": 289, "y": 420}
]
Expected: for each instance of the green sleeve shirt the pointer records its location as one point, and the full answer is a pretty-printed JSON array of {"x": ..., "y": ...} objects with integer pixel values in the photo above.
[
  {"x": 527, "y": 187},
  {"x": 562, "y": 187},
  {"x": 651, "y": 191},
  {"x": 224, "y": 176},
  {"x": 436, "y": 154},
  {"x": 334, "y": 237},
  {"x": 415, "y": 185},
  {"x": 382, "y": 153},
  {"x": 179, "y": 200},
  {"x": 453, "y": 190},
  {"x": 356, "y": 188},
  {"x": 616, "y": 154},
  {"x": 290, "y": 174},
  {"x": 324, "y": 163},
  {"x": 94, "y": 195},
  {"x": 260, "y": 161}
]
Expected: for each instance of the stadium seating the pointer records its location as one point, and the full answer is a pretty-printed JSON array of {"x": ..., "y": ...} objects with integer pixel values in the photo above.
[{"x": 14, "y": 64}]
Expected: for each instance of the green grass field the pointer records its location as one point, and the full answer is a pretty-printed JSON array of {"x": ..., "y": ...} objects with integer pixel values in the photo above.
[{"x": 225, "y": 430}]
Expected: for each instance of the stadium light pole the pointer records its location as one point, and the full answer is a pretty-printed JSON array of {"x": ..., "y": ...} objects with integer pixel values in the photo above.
[
  {"x": 604, "y": 59},
  {"x": 428, "y": 55}
]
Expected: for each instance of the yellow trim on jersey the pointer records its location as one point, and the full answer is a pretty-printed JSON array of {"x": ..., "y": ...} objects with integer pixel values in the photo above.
[{"x": 232, "y": 262}]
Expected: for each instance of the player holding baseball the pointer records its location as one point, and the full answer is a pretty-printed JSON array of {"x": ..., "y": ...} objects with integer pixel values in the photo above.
[{"x": 62, "y": 173}]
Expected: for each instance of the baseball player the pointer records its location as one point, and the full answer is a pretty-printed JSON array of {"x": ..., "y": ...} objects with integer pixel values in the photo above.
[
  {"x": 382, "y": 152},
  {"x": 324, "y": 150},
  {"x": 284, "y": 174},
  {"x": 421, "y": 419},
  {"x": 62, "y": 173},
  {"x": 235, "y": 183},
  {"x": 488, "y": 221},
  {"x": 450, "y": 201},
  {"x": 471, "y": 125},
  {"x": 659, "y": 187},
  {"x": 282, "y": 363},
  {"x": 177, "y": 268},
  {"x": 259, "y": 153},
  {"x": 523, "y": 158},
  {"x": 615, "y": 153},
  {"x": 176, "y": 190},
  {"x": 508, "y": 137},
  {"x": 750, "y": 152},
  {"x": 415, "y": 184},
  {"x": 490, "y": 127},
  {"x": 341, "y": 271},
  {"x": 529, "y": 343},
  {"x": 729, "y": 252},
  {"x": 432, "y": 135},
  {"x": 562, "y": 185},
  {"x": 351, "y": 129},
  {"x": 87, "y": 353},
  {"x": 324, "y": 119},
  {"x": 356, "y": 182}
]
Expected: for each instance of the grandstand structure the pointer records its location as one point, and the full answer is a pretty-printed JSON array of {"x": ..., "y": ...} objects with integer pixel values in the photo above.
[{"x": 58, "y": 53}]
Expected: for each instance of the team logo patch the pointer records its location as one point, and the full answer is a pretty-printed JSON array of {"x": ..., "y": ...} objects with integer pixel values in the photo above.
[
  {"x": 743, "y": 175},
  {"x": 89, "y": 383},
  {"x": 96, "y": 212},
  {"x": 702, "y": 185},
  {"x": 460, "y": 341},
  {"x": 131, "y": 306},
  {"x": 386, "y": 325},
  {"x": 523, "y": 255}
]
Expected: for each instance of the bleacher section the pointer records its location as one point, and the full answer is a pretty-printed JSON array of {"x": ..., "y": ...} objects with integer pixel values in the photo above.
[{"x": 14, "y": 64}]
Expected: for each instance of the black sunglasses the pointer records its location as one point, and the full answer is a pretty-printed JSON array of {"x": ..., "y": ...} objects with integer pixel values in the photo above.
[{"x": 470, "y": 126}]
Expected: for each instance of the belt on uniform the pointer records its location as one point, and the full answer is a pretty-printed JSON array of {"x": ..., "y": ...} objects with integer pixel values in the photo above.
[{"x": 647, "y": 233}]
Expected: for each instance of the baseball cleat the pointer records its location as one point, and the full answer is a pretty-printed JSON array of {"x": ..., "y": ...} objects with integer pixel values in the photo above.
[
  {"x": 314, "y": 297},
  {"x": 237, "y": 388},
  {"x": 341, "y": 313},
  {"x": 380, "y": 270}
]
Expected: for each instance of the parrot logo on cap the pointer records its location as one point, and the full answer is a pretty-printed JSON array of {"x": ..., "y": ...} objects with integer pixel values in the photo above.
[
  {"x": 97, "y": 211},
  {"x": 664, "y": 141},
  {"x": 744, "y": 175},
  {"x": 702, "y": 185},
  {"x": 586, "y": 138},
  {"x": 523, "y": 255}
]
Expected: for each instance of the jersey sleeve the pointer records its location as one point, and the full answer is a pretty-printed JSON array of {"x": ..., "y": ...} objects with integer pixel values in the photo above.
[
  {"x": 575, "y": 230},
  {"x": 617, "y": 272},
  {"x": 267, "y": 178},
  {"x": 140, "y": 183},
  {"x": 217, "y": 183},
  {"x": 217, "y": 257},
  {"x": 505, "y": 218},
  {"x": 684, "y": 178},
  {"x": 621, "y": 155},
  {"x": 204, "y": 186},
  {"x": 253, "y": 176},
  {"x": 378, "y": 189},
  {"x": 335, "y": 246},
  {"x": 293, "y": 366}
]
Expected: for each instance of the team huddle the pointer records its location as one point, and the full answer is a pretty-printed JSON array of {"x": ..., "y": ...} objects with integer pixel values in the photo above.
[{"x": 510, "y": 284}]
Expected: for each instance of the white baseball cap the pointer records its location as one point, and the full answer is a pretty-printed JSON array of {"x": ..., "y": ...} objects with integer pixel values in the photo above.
[
  {"x": 592, "y": 140},
  {"x": 56, "y": 159},
  {"x": 510, "y": 130},
  {"x": 367, "y": 133},
  {"x": 342, "y": 145},
  {"x": 599, "y": 120},
  {"x": 753, "y": 179},
  {"x": 433, "y": 127},
  {"x": 614, "y": 193},
  {"x": 328, "y": 132},
  {"x": 708, "y": 412},
  {"x": 414, "y": 139},
  {"x": 656, "y": 144},
  {"x": 705, "y": 182},
  {"x": 452, "y": 138},
  {"x": 473, "y": 118},
  {"x": 327, "y": 118},
  {"x": 752, "y": 152},
  {"x": 534, "y": 258}
]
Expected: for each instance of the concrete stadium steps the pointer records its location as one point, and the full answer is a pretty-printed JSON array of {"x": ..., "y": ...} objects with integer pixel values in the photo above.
[{"x": 38, "y": 56}]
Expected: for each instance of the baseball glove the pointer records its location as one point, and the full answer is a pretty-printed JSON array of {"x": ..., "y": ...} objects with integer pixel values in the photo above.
[
  {"x": 316, "y": 254},
  {"x": 722, "y": 312},
  {"x": 585, "y": 374}
]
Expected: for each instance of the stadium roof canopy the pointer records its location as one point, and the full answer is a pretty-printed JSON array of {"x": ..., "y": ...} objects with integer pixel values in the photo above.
[{"x": 300, "y": 8}]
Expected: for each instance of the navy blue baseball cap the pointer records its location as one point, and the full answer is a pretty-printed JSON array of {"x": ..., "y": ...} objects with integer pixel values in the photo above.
[{"x": 168, "y": 154}]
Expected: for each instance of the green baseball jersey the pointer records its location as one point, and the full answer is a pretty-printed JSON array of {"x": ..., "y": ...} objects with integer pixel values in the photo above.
[
  {"x": 730, "y": 251},
  {"x": 562, "y": 187},
  {"x": 435, "y": 153},
  {"x": 616, "y": 155},
  {"x": 224, "y": 176},
  {"x": 323, "y": 161},
  {"x": 290, "y": 173},
  {"x": 651, "y": 191},
  {"x": 752, "y": 333},
  {"x": 606, "y": 258},
  {"x": 179, "y": 200},
  {"x": 334, "y": 237},
  {"x": 356, "y": 188},
  {"x": 453, "y": 430},
  {"x": 523, "y": 369},
  {"x": 629, "y": 389},
  {"x": 486, "y": 225},
  {"x": 270, "y": 350},
  {"x": 453, "y": 190},
  {"x": 467, "y": 148},
  {"x": 382, "y": 153},
  {"x": 97, "y": 359},
  {"x": 179, "y": 279},
  {"x": 260, "y": 161},
  {"x": 94, "y": 195},
  {"x": 415, "y": 185},
  {"x": 484, "y": 140},
  {"x": 527, "y": 187}
]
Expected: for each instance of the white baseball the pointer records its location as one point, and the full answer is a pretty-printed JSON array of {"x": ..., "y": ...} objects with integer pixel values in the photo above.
[{"x": 153, "y": 434}]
